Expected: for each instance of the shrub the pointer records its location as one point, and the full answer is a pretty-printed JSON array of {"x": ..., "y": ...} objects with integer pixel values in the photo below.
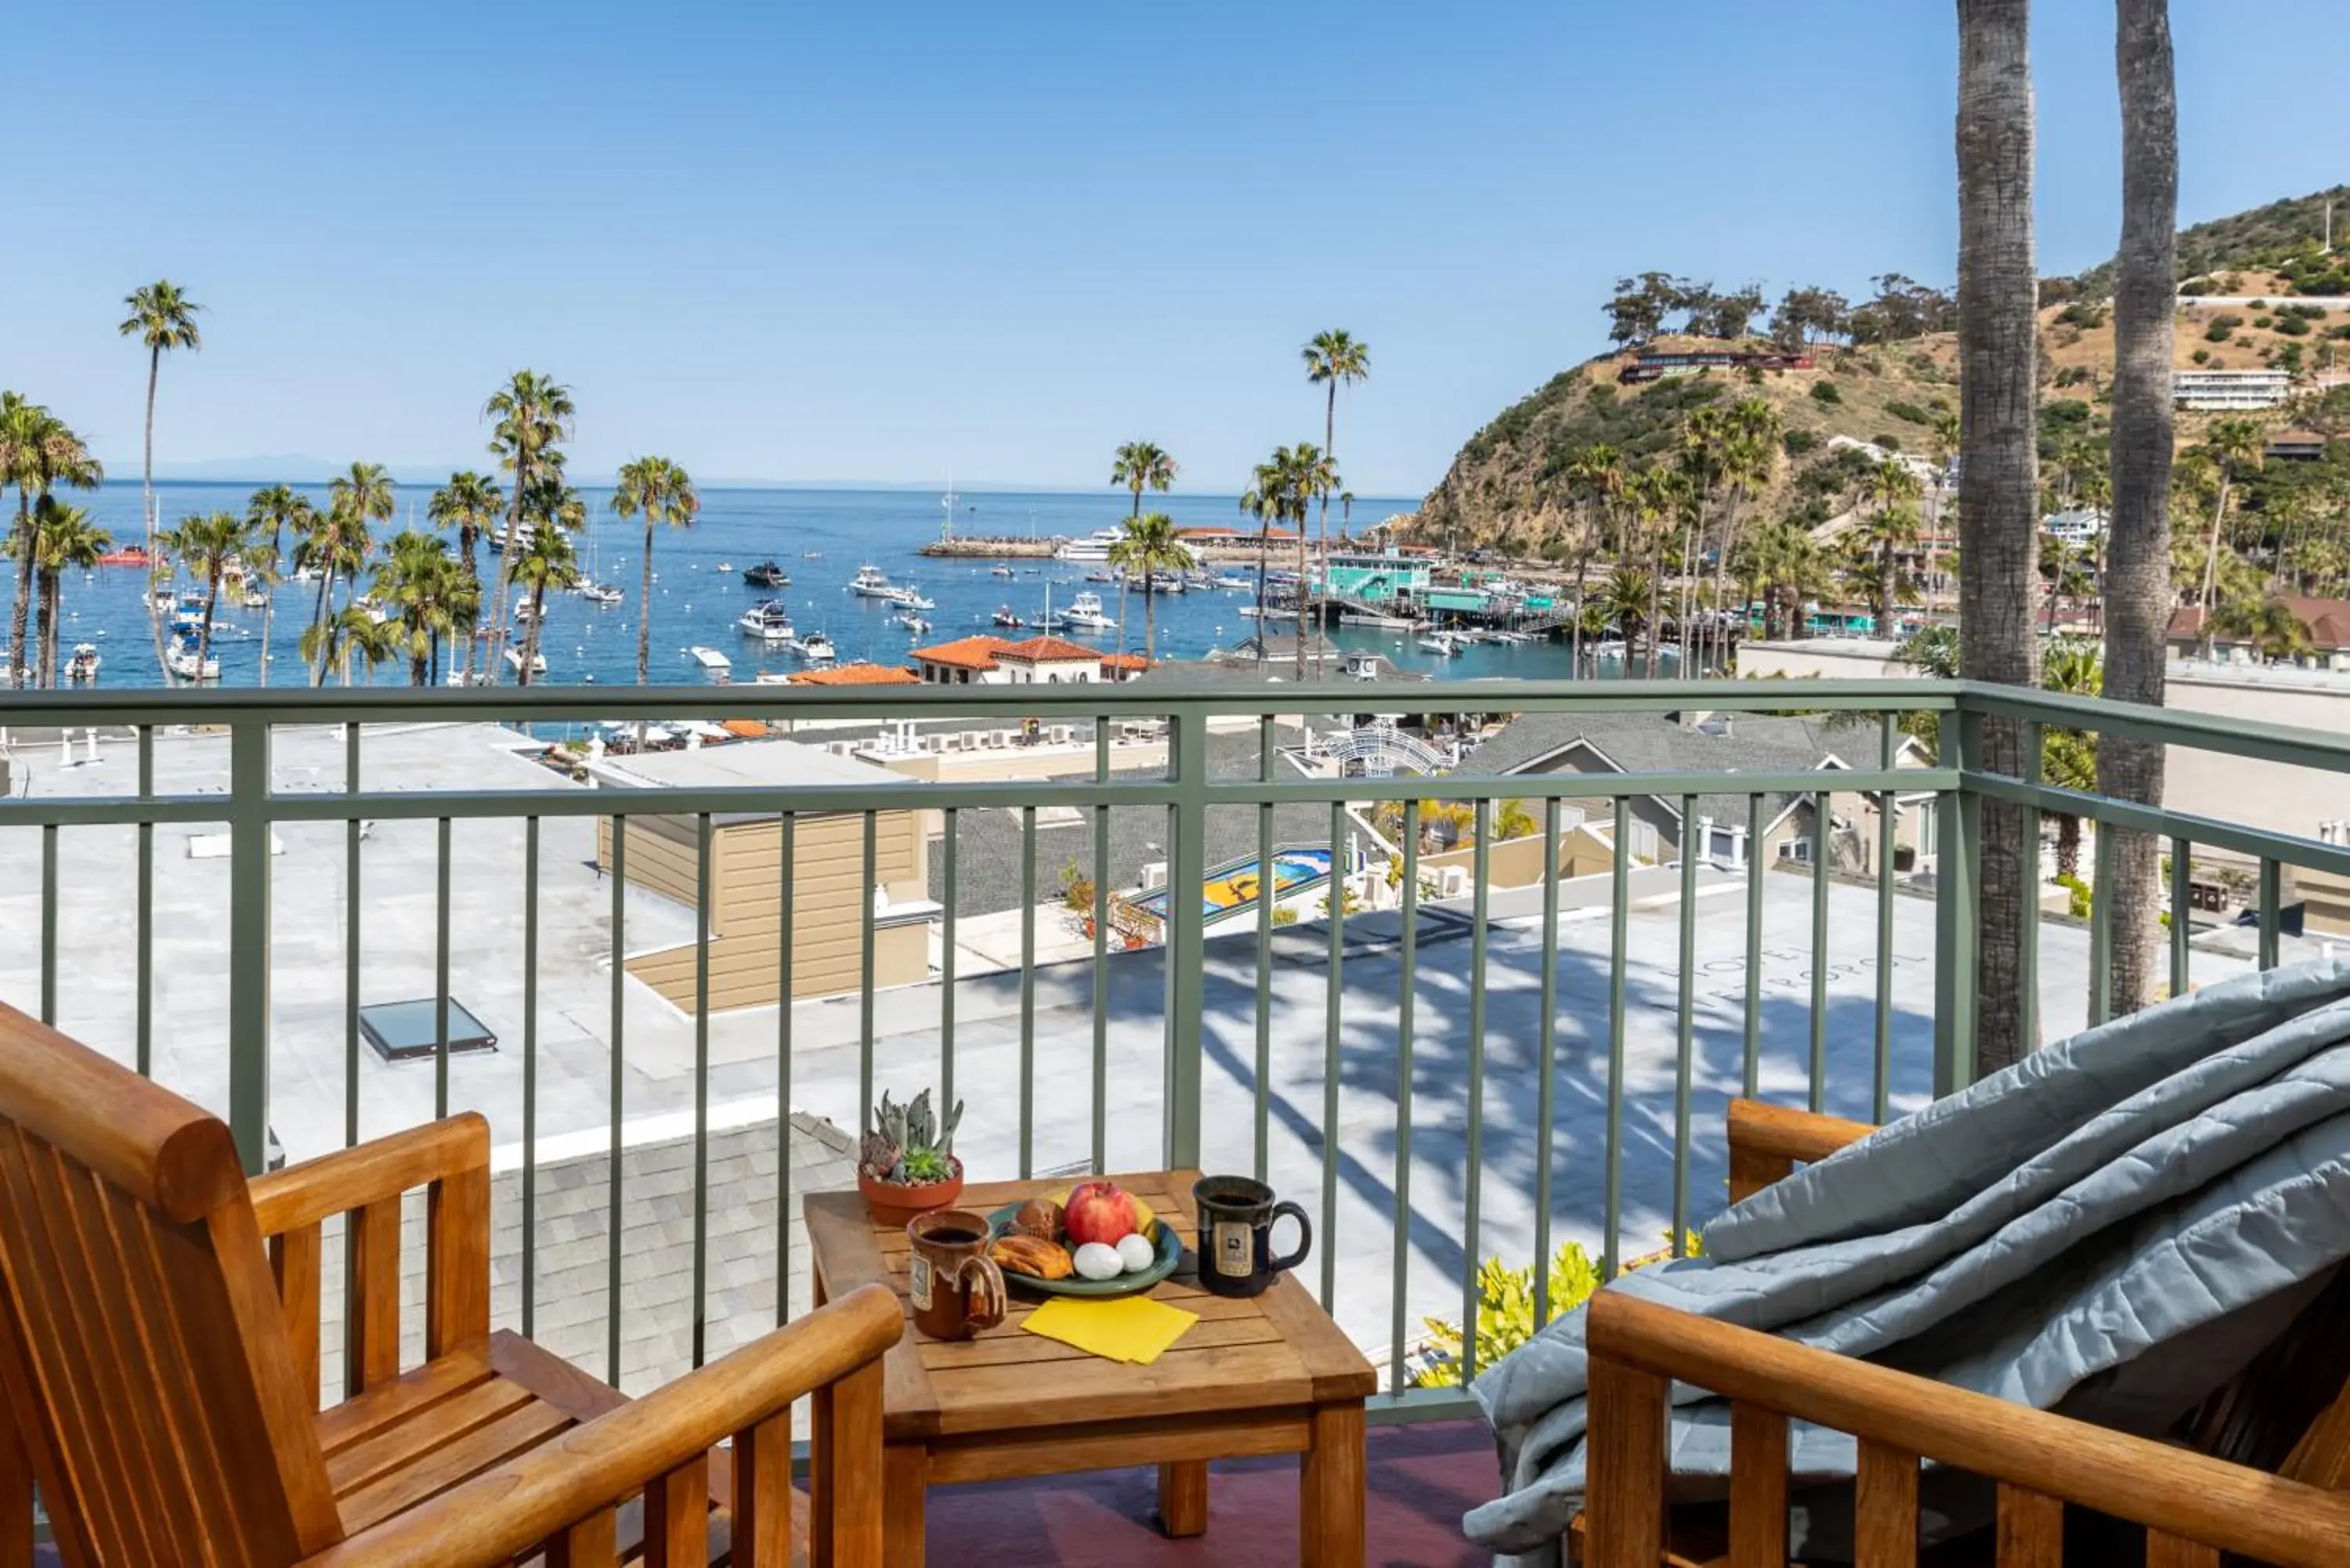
[
  {"x": 1283, "y": 916},
  {"x": 2293, "y": 325},
  {"x": 2264, "y": 322},
  {"x": 1825, "y": 393},
  {"x": 2081, "y": 314},
  {"x": 1506, "y": 1308},
  {"x": 1797, "y": 443},
  {"x": 1910, "y": 411},
  {"x": 2081, "y": 901},
  {"x": 1889, "y": 442},
  {"x": 2259, "y": 304},
  {"x": 2201, "y": 356}
]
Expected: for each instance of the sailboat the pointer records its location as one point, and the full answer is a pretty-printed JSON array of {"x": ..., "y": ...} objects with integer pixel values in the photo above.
[{"x": 947, "y": 503}]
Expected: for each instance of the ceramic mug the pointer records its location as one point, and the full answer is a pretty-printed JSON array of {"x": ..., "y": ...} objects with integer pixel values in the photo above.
[
  {"x": 954, "y": 1286},
  {"x": 1236, "y": 1220}
]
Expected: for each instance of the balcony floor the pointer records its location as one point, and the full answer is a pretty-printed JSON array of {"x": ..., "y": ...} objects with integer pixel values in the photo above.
[{"x": 1422, "y": 1480}]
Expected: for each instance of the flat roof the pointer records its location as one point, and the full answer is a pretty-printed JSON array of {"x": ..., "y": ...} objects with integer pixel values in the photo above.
[{"x": 771, "y": 763}]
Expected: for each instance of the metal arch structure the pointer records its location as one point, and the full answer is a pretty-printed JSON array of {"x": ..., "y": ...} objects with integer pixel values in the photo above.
[{"x": 1381, "y": 748}]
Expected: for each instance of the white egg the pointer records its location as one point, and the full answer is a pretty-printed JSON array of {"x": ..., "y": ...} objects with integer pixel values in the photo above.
[
  {"x": 1097, "y": 1261},
  {"x": 1135, "y": 1252}
]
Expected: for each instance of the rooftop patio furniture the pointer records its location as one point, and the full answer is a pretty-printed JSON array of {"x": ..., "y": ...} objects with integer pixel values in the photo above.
[
  {"x": 2183, "y": 1501},
  {"x": 1267, "y": 1375},
  {"x": 160, "y": 1354}
]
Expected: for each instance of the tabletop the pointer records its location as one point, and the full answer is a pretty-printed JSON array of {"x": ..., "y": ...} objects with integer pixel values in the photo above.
[{"x": 1274, "y": 1350}]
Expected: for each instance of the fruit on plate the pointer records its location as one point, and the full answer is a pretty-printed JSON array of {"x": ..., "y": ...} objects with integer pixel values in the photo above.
[
  {"x": 1101, "y": 1211},
  {"x": 1143, "y": 1215},
  {"x": 1095, "y": 1260},
  {"x": 1135, "y": 1252},
  {"x": 1033, "y": 1256},
  {"x": 1040, "y": 1218}
]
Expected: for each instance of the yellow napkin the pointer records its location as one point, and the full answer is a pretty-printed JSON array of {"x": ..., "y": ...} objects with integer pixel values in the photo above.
[{"x": 1132, "y": 1328}]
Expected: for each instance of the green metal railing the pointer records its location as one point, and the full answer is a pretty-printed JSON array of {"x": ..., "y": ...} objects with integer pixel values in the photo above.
[{"x": 1183, "y": 792}]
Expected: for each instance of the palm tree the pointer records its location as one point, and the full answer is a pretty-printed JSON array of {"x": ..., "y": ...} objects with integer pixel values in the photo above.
[
  {"x": 419, "y": 581},
  {"x": 661, "y": 492},
  {"x": 206, "y": 546},
  {"x": 546, "y": 562},
  {"x": 2272, "y": 627},
  {"x": 1150, "y": 545},
  {"x": 1889, "y": 526},
  {"x": 338, "y": 546},
  {"x": 1312, "y": 475},
  {"x": 1263, "y": 501},
  {"x": 1750, "y": 457},
  {"x": 273, "y": 510},
  {"x": 1139, "y": 466},
  {"x": 68, "y": 542},
  {"x": 2068, "y": 758},
  {"x": 532, "y": 413},
  {"x": 469, "y": 502},
  {"x": 163, "y": 318},
  {"x": 1333, "y": 360},
  {"x": 1629, "y": 598},
  {"x": 1999, "y": 486},
  {"x": 2236, "y": 447},
  {"x": 1596, "y": 477},
  {"x": 38, "y": 452}
]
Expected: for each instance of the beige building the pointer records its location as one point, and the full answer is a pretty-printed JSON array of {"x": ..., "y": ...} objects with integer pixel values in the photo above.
[{"x": 829, "y": 892}]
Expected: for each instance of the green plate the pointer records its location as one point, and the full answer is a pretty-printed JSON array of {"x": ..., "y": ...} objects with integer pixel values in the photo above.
[{"x": 1162, "y": 1236}]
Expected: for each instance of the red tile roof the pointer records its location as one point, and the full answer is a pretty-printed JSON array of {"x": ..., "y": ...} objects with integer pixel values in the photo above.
[
  {"x": 1124, "y": 661},
  {"x": 965, "y": 653},
  {"x": 858, "y": 675},
  {"x": 1046, "y": 650}
]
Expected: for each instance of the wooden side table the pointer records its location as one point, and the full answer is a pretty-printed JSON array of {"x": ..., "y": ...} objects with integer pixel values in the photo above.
[{"x": 1267, "y": 1376}]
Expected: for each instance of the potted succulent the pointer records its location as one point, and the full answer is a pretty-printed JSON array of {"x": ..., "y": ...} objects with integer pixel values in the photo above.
[{"x": 906, "y": 1161}]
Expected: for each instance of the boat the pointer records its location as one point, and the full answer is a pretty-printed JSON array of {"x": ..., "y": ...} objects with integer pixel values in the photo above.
[
  {"x": 601, "y": 595},
  {"x": 523, "y": 534},
  {"x": 538, "y": 661},
  {"x": 1169, "y": 584},
  {"x": 811, "y": 554},
  {"x": 724, "y": 567},
  {"x": 914, "y": 624},
  {"x": 772, "y": 678},
  {"x": 815, "y": 647},
  {"x": 766, "y": 574},
  {"x": 909, "y": 598},
  {"x": 1006, "y": 619},
  {"x": 871, "y": 582},
  {"x": 1094, "y": 576},
  {"x": 128, "y": 555},
  {"x": 180, "y": 658},
  {"x": 1267, "y": 613},
  {"x": 709, "y": 659},
  {"x": 524, "y": 609},
  {"x": 254, "y": 598},
  {"x": 1094, "y": 546},
  {"x": 83, "y": 664},
  {"x": 1382, "y": 622},
  {"x": 1000, "y": 569},
  {"x": 1233, "y": 584},
  {"x": 768, "y": 621},
  {"x": 1085, "y": 614},
  {"x": 1442, "y": 643}
]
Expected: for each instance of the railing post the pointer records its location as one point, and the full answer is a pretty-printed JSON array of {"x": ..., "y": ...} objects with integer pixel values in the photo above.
[
  {"x": 248, "y": 942},
  {"x": 1958, "y": 832},
  {"x": 1187, "y": 869}
]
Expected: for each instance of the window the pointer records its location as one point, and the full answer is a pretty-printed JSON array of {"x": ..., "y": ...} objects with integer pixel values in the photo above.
[{"x": 1797, "y": 849}]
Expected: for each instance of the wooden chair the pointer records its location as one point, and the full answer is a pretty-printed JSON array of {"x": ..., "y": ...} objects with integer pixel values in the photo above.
[
  {"x": 2177, "y": 1505},
  {"x": 161, "y": 1367}
]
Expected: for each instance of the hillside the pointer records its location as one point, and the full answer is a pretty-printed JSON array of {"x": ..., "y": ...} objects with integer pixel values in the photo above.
[{"x": 2281, "y": 239}]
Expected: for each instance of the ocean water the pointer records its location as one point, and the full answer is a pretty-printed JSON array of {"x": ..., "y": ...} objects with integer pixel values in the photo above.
[{"x": 819, "y": 536}]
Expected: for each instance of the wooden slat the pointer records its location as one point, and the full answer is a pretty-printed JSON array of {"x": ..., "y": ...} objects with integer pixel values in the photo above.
[
  {"x": 395, "y": 1447},
  {"x": 1758, "y": 1488},
  {"x": 2031, "y": 1530},
  {"x": 371, "y": 1172},
  {"x": 16, "y": 1498},
  {"x": 374, "y": 1301},
  {"x": 1116, "y": 1446},
  {"x": 1625, "y": 1465},
  {"x": 359, "y": 1417},
  {"x": 2176, "y": 1551},
  {"x": 677, "y": 1516},
  {"x": 295, "y": 1259},
  {"x": 762, "y": 1495},
  {"x": 457, "y": 1260},
  {"x": 518, "y": 1432},
  {"x": 1884, "y": 1507},
  {"x": 593, "y": 1542},
  {"x": 854, "y": 1533}
]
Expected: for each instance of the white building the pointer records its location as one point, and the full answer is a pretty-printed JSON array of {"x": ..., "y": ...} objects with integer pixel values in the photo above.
[{"x": 2220, "y": 389}]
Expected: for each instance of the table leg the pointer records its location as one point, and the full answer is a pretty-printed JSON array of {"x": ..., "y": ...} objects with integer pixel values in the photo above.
[
  {"x": 1330, "y": 1491},
  {"x": 820, "y": 1481},
  {"x": 1183, "y": 1497},
  {"x": 905, "y": 1499}
]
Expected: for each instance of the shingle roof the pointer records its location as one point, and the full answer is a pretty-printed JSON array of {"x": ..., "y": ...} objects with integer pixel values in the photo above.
[
  {"x": 968, "y": 652},
  {"x": 859, "y": 674},
  {"x": 1047, "y": 650}
]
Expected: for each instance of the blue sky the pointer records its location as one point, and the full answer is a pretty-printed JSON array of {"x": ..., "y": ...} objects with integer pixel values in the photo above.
[{"x": 876, "y": 240}]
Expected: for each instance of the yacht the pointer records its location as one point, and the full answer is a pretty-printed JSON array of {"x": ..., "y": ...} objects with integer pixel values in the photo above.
[
  {"x": 815, "y": 647},
  {"x": 1094, "y": 546},
  {"x": 768, "y": 621},
  {"x": 1006, "y": 619},
  {"x": 766, "y": 574},
  {"x": 83, "y": 665},
  {"x": 909, "y": 598},
  {"x": 1101, "y": 577},
  {"x": 601, "y": 595},
  {"x": 254, "y": 597},
  {"x": 709, "y": 659},
  {"x": 523, "y": 610},
  {"x": 914, "y": 624},
  {"x": 1000, "y": 569},
  {"x": 523, "y": 534},
  {"x": 724, "y": 567},
  {"x": 513, "y": 657},
  {"x": 871, "y": 582},
  {"x": 1443, "y": 643},
  {"x": 1167, "y": 583},
  {"x": 1231, "y": 582},
  {"x": 1085, "y": 614},
  {"x": 180, "y": 657}
]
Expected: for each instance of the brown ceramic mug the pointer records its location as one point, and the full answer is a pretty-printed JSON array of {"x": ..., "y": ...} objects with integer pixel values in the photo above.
[{"x": 954, "y": 1286}]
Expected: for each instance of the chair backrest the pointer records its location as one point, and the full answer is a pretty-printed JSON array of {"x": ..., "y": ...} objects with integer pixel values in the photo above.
[{"x": 143, "y": 1352}]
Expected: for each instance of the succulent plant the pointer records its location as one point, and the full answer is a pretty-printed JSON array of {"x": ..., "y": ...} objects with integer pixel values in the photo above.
[{"x": 907, "y": 1144}]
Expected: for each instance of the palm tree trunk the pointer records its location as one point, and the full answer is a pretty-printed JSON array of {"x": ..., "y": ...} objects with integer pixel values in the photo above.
[
  {"x": 1150, "y": 616},
  {"x": 644, "y": 621},
  {"x": 20, "y": 606},
  {"x": 1885, "y": 587},
  {"x": 319, "y": 617},
  {"x": 530, "y": 638},
  {"x": 1263, "y": 550},
  {"x": 2136, "y": 576},
  {"x": 497, "y": 606},
  {"x": 204, "y": 634},
  {"x": 2212, "y": 568},
  {"x": 147, "y": 505},
  {"x": 1330, "y": 455},
  {"x": 2000, "y": 485},
  {"x": 45, "y": 631},
  {"x": 1304, "y": 595},
  {"x": 2068, "y": 845},
  {"x": 468, "y": 535},
  {"x": 1582, "y": 571}
]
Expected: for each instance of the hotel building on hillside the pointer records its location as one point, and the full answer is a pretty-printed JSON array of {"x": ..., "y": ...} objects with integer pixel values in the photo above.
[{"x": 2222, "y": 389}]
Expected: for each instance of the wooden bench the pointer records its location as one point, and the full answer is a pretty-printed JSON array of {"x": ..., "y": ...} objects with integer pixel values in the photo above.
[{"x": 159, "y": 1354}]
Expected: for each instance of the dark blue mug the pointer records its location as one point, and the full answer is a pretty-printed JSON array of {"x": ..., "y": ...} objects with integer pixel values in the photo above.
[{"x": 1236, "y": 1219}]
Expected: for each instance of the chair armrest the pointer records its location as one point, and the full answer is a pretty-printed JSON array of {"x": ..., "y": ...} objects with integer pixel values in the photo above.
[
  {"x": 510, "y": 1508},
  {"x": 371, "y": 1172},
  {"x": 1638, "y": 1349},
  {"x": 1767, "y": 1142}
]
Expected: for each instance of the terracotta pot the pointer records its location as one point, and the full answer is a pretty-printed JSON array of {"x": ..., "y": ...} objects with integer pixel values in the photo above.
[{"x": 892, "y": 1200}]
